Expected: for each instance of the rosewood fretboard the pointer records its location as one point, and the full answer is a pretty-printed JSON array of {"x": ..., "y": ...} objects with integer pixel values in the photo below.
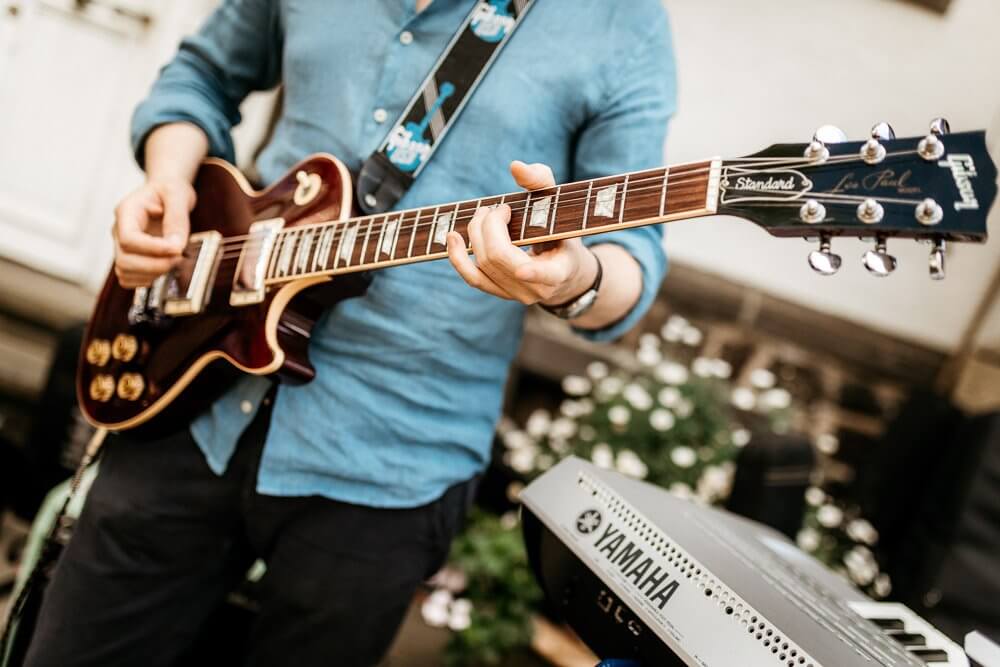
[{"x": 573, "y": 209}]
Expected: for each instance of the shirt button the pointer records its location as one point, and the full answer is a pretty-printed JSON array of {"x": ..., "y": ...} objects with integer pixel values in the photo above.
[
  {"x": 406, "y": 38},
  {"x": 380, "y": 115},
  {"x": 246, "y": 407}
]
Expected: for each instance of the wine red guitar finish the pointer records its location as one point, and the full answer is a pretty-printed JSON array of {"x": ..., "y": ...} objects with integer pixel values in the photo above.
[
  {"x": 261, "y": 267},
  {"x": 271, "y": 337}
]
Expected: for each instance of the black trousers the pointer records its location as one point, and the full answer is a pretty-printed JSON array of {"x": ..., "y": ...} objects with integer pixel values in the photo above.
[{"x": 162, "y": 540}]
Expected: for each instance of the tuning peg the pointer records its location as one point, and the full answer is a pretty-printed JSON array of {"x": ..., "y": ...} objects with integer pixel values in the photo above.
[
  {"x": 936, "y": 264},
  {"x": 929, "y": 212},
  {"x": 940, "y": 127},
  {"x": 879, "y": 262},
  {"x": 883, "y": 131},
  {"x": 829, "y": 134},
  {"x": 823, "y": 261}
]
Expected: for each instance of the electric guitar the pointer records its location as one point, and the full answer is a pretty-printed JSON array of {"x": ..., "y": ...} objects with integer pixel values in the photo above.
[{"x": 260, "y": 267}]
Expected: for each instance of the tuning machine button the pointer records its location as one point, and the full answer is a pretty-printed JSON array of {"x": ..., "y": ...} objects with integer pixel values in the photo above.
[
  {"x": 817, "y": 150},
  {"x": 931, "y": 147},
  {"x": 124, "y": 347},
  {"x": 130, "y": 386},
  {"x": 870, "y": 212},
  {"x": 823, "y": 261},
  {"x": 929, "y": 212},
  {"x": 102, "y": 388},
  {"x": 883, "y": 131},
  {"x": 98, "y": 352},
  {"x": 879, "y": 262},
  {"x": 936, "y": 262},
  {"x": 812, "y": 212}
]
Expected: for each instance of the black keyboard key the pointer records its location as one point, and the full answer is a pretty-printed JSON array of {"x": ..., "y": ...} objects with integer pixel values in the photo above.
[
  {"x": 930, "y": 655},
  {"x": 909, "y": 638},
  {"x": 888, "y": 623}
]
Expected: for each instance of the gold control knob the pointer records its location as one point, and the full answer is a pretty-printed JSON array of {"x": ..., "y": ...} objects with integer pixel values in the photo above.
[
  {"x": 124, "y": 347},
  {"x": 102, "y": 388},
  {"x": 98, "y": 352},
  {"x": 130, "y": 386}
]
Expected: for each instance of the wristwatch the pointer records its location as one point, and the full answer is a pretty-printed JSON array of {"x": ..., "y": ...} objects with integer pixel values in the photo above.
[{"x": 581, "y": 304}]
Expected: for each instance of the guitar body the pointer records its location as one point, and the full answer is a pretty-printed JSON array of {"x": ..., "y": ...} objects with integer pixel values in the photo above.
[{"x": 184, "y": 363}]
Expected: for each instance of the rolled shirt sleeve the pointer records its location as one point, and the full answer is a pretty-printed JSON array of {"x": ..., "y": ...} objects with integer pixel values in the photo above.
[
  {"x": 628, "y": 134},
  {"x": 236, "y": 51}
]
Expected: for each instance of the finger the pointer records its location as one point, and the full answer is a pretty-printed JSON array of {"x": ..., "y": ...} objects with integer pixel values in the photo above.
[
  {"x": 131, "y": 220},
  {"x": 177, "y": 205},
  {"x": 497, "y": 244},
  {"x": 532, "y": 176},
  {"x": 151, "y": 266},
  {"x": 553, "y": 270},
  {"x": 470, "y": 273},
  {"x": 130, "y": 280}
]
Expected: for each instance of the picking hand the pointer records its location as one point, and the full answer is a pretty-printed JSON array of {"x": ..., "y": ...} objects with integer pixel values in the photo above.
[
  {"x": 552, "y": 274},
  {"x": 151, "y": 230}
]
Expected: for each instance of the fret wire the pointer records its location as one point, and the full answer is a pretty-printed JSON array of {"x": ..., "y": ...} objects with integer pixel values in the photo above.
[
  {"x": 663, "y": 194},
  {"x": 381, "y": 233},
  {"x": 454, "y": 217},
  {"x": 364, "y": 246},
  {"x": 527, "y": 212},
  {"x": 430, "y": 232},
  {"x": 413, "y": 236},
  {"x": 555, "y": 211},
  {"x": 621, "y": 212},
  {"x": 395, "y": 237},
  {"x": 586, "y": 206},
  {"x": 273, "y": 260}
]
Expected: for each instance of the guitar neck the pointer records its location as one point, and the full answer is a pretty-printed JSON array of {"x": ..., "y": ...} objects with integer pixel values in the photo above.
[{"x": 574, "y": 209}]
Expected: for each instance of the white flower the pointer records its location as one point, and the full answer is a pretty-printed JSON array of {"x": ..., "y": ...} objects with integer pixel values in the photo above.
[
  {"x": 517, "y": 440},
  {"x": 649, "y": 340},
  {"x": 609, "y": 387},
  {"x": 776, "y": 399},
  {"x": 514, "y": 490},
  {"x": 681, "y": 490},
  {"x": 648, "y": 356},
  {"x": 721, "y": 368},
  {"x": 861, "y": 565},
  {"x": 860, "y": 530},
  {"x": 691, "y": 337},
  {"x": 670, "y": 372},
  {"x": 662, "y": 420},
  {"x": 827, "y": 443},
  {"x": 435, "y": 608},
  {"x": 629, "y": 463},
  {"x": 569, "y": 408},
  {"x": 638, "y": 397},
  {"x": 713, "y": 484},
  {"x": 522, "y": 460},
  {"x": 544, "y": 462},
  {"x": 684, "y": 408},
  {"x": 882, "y": 585},
  {"x": 674, "y": 329},
  {"x": 815, "y": 496},
  {"x": 683, "y": 457},
  {"x": 462, "y": 606},
  {"x": 743, "y": 398},
  {"x": 587, "y": 433},
  {"x": 508, "y": 521},
  {"x": 702, "y": 367},
  {"x": 451, "y": 579},
  {"x": 597, "y": 370},
  {"x": 808, "y": 539},
  {"x": 762, "y": 378},
  {"x": 538, "y": 423},
  {"x": 669, "y": 396},
  {"x": 459, "y": 622},
  {"x": 575, "y": 385},
  {"x": 619, "y": 415},
  {"x": 562, "y": 429},
  {"x": 559, "y": 446},
  {"x": 602, "y": 456},
  {"x": 741, "y": 437},
  {"x": 829, "y": 516}
]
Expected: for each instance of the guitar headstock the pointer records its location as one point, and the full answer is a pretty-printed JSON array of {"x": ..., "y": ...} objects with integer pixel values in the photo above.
[{"x": 934, "y": 188}]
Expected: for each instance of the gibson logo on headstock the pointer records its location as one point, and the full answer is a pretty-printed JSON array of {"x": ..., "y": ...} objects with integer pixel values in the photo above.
[
  {"x": 886, "y": 178},
  {"x": 962, "y": 170}
]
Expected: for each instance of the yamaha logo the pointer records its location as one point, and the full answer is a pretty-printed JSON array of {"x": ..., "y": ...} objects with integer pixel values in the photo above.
[{"x": 588, "y": 522}]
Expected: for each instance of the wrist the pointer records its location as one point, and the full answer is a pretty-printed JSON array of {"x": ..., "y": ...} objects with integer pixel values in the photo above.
[{"x": 580, "y": 282}]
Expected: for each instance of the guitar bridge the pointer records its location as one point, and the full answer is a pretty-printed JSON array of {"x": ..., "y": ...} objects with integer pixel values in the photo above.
[
  {"x": 251, "y": 269},
  {"x": 191, "y": 283}
]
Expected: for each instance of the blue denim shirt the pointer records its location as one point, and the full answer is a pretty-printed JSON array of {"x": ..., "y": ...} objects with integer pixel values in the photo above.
[{"x": 410, "y": 376}]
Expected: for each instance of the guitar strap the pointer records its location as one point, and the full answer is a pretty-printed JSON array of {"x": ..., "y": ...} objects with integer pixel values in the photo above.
[{"x": 393, "y": 168}]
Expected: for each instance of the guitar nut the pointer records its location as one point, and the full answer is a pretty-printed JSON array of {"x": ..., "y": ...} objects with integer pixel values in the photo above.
[
  {"x": 98, "y": 352},
  {"x": 130, "y": 386},
  {"x": 124, "y": 347},
  {"x": 102, "y": 388}
]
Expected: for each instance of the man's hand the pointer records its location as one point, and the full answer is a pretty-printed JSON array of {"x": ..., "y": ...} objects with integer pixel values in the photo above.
[
  {"x": 552, "y": 274},
  {"x": 151, "y": 230}
]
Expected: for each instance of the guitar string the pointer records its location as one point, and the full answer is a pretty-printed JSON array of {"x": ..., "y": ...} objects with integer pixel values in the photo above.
[{"x": 776, "y": 163}]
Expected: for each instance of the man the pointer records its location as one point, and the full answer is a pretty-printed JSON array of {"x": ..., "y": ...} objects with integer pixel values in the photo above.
[{"x": 351, "y": 487}]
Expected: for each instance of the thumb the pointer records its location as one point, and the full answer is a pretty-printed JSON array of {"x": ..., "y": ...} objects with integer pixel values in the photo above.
[
  {"x": 532, "y": 176},
  {"x": 177, "y": 205}
]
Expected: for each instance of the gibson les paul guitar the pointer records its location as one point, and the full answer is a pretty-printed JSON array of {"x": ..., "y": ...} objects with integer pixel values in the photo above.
[{"x": 261, "y": 266}]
